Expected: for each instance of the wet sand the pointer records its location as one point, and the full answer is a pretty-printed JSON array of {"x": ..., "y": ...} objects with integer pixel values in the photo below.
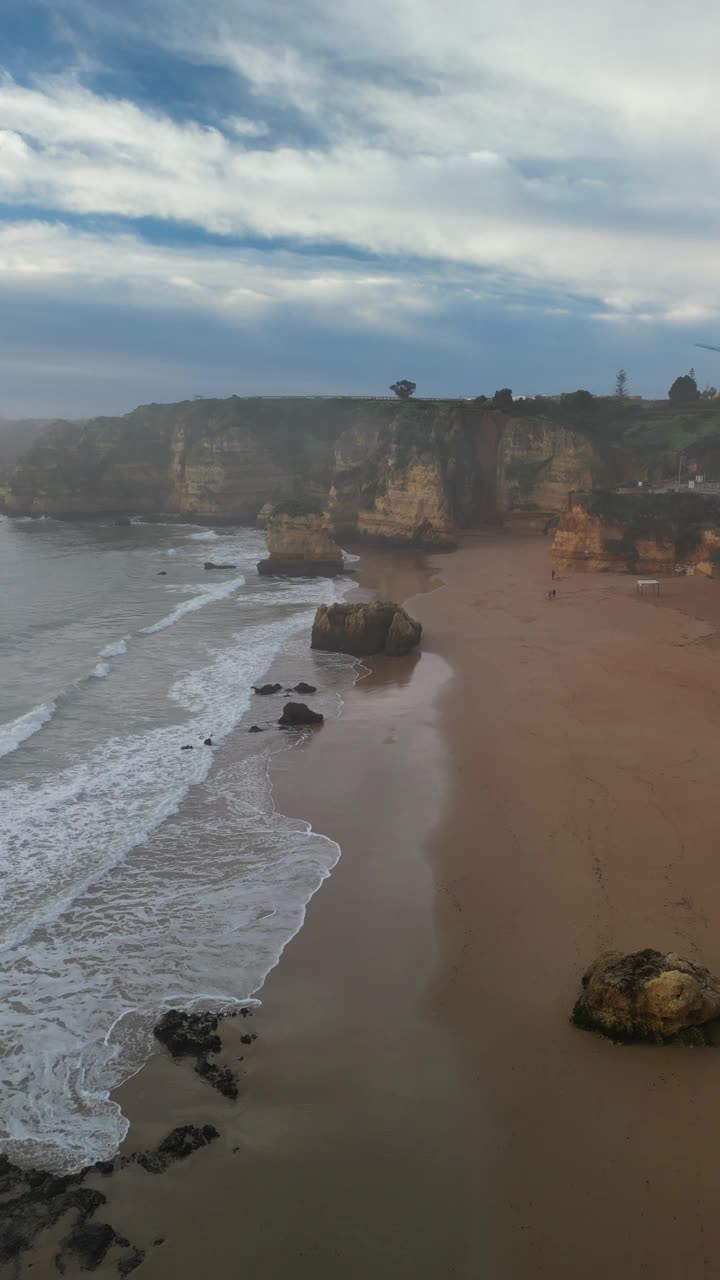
[{"x": 538, "y": 785}]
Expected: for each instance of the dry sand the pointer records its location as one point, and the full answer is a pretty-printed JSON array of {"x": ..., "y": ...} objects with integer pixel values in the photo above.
[{"x": 539, "y": 785}]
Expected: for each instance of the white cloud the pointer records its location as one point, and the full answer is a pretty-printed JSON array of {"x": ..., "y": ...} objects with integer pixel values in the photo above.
[
  {"x": 569, "y": 145},
  {"x": 241, "y": 285}
]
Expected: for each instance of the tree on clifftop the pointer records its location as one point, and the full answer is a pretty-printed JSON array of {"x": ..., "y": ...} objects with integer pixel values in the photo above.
[
  {"x": 621, "y": 380},
  {"x": 684, "y": 389},
  {"x": 403, "y": 389},
  {"x": 503, "y": 400}
]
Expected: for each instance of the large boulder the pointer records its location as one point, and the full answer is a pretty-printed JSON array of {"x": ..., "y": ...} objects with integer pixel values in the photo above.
[
  {"x": 364, "y": 629},
  {"x": 300, "y": 543},
  {"x": 646, "y": 996},
  {"x": 299, "y": 713}
]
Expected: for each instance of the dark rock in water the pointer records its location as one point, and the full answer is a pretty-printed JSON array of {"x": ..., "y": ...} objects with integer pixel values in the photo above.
[
  {"x": 33, "y": 1200},
  {"x": 133, "y": 1260},
  {"x": 221, "y": 1078},
  {"x": 647, "y": 997},
  {"x": 87, "y": 1246},
  {"x": 123, "y": 522},
  {"x": 187, "y": 747},
  {"x": 162, "y": 573},
  {"x": 248, "y": 1039},
  {"x": 361, "y": 629},
  {"x": 254, "y": 728},
  {"x": 189, "y": 1034},
  {"x": 267, "y": 688},
  {"x": 207, "y": 742},
  {"x": 177, "y": 1146},
  {"x": 298, "y": 713},
  {"x": 160, "y": 1240},
  {"x": 185, "y": 1139},
  {"x": 302, "y": 687},
  {"x": 209, "y": 564},
  {"x": 195, "y": 1035}
]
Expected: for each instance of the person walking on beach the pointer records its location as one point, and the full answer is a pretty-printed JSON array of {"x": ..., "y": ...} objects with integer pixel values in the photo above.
[{"x": 552, "y": 574}]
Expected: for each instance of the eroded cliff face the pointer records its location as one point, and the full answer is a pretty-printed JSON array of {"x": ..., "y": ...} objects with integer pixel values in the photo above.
[
  {"x": 538, "y": 465},
  {"x": 419, "y": 477},
  {"x": 651, "y": 534},
  {"x": 219, "y": 460},
  {"x": 410, "y": 473}
]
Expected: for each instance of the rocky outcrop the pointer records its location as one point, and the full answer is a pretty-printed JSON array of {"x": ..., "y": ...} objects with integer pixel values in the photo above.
[
  {"x": 34, "y": 1200},
  {"x": 300, "y": 543},
  {"x": 646, "y": 996},
  {"x": 298, "y": 713},
  {"x": 639, "y": 533},
  {"x": 188, "y": 1034},
  {"x": 706, "y": 557},
  {"x": 364, "y": 629}
]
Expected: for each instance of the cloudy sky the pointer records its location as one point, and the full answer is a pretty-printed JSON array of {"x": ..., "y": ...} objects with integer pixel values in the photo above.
[{"x": 248, "y": 196}]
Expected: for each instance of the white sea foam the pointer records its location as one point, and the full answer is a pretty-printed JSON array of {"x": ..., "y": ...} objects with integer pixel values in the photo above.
[
  {"x": 114, "y": 650},
  {"x": 101, "y": 670},
  {"x": 206, "y": 536},
  {"x": 171, "y": 551},
  {"x": 18, "y": 731},
  {"x": 218, "y": 592},
  {"x": 127, "y": 887}
]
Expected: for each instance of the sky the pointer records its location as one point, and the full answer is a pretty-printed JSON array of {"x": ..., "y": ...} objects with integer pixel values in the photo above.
[{"x": 323, "y": 196}]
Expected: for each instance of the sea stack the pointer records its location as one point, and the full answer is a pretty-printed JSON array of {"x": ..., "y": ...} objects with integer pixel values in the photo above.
[{"x": 300, "y": 543}]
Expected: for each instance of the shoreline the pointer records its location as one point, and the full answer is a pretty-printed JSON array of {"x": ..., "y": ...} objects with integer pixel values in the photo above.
[{"x": 533, "y": 787}]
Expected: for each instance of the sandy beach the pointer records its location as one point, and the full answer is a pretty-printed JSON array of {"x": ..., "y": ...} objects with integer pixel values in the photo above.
[{"x": 538, "y": 785}]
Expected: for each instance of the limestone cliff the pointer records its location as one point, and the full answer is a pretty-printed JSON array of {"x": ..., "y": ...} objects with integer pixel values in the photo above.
[
  {"x": 538, "y": 465},
  {"x": 411, "y": 473},
  {"x": 218, "y": 460},
  {"x": 418, "y": 477},
  {"x": 300, "y": 543},
  {"x": 639, "y": 533}
]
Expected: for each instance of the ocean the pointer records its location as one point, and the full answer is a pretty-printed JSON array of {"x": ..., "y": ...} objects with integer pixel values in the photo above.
[{"x": 135, "y": 876}]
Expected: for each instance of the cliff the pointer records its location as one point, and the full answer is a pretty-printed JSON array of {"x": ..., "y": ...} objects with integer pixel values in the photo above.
[
  {"x": 539, "y": 464},
  {"x": 207, "y": 459},
  {"x": 408, "y": 472},
  {"x": 639, "y": 533}
]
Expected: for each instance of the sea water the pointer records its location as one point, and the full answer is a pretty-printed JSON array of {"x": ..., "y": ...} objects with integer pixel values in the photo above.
[{"x": 134, "y": 875}]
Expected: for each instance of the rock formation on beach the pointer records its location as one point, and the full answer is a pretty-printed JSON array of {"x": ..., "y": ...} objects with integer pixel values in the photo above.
[
  {"x": 34, "y": 1200},
  {"x": 300, "y": 543},
  {"x": 298, "y": 713},
  {"x": 636, "y": 532},
  {"x": 364, "y": 629},
  {"x": 647, "y": 996}
]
